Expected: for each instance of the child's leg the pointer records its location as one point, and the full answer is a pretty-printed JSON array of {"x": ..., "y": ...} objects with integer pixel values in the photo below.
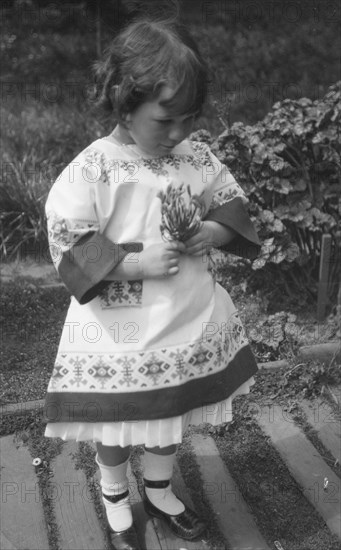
[
  {"x": 161, "y": 501},
  {"x": 112, "y": 456},
  {"x": 158, "y": 471},
  {"x": 113, "y": 462}
]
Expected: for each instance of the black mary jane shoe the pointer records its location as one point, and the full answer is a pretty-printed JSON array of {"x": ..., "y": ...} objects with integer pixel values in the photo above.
[
  {"x": 186, "y": 525},
  {"x": 124, "y": 540}
]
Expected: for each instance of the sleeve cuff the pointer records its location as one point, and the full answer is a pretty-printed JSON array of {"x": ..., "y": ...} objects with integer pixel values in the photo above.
[
  {"x": 84, "y": 267},
  {"x": 234, "y": 215}
]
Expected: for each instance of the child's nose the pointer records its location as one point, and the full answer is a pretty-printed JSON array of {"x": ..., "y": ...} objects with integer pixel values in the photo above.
[{"x": 177, "y": 132}]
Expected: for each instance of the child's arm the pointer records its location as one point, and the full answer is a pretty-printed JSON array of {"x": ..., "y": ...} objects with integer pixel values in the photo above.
[
  {"x": 228, "y": 209},
  {"x": 156, "y": 261},
  {"x": 211, "y": 234}
]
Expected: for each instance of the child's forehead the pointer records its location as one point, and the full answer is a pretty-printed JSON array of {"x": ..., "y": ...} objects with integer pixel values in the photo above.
[
  {"x": 170, "y": 102},
  {"x": 166, "y": 93}
]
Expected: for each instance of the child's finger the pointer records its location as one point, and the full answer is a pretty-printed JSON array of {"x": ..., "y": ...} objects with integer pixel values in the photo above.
[
  {"x": 198, "y": 249},
  {"x": 193, "y": 249},
  {"x": 176, "y": 245},
  {"x": 173, "y": 270},
  {"x": 174, "y": 261},
  {"x": 192, "y": 241},
  {"x": 196, "y": 253},
  {"x": 173, "y": 254}
]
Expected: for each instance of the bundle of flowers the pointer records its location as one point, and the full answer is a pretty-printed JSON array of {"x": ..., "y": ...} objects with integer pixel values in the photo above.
[{"x": 181, "y": 212}]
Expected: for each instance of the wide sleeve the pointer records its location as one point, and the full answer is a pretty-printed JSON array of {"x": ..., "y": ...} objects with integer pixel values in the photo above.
[
  {"x": 228, "y": 206},
  {"x": 82, "y": 255}
]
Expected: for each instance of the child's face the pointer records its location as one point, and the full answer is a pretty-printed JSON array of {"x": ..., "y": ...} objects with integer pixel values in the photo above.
[{"x": 155, "y": 128}]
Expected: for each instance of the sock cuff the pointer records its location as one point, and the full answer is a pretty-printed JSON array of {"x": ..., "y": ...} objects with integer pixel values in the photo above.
[
  {"x": 114, "y": 479},
  {"x": 158, "y": 467}
]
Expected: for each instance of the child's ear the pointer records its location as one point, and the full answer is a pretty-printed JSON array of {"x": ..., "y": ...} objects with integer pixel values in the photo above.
[
  {"x": 115, "y": 95},
  {"x": 127, "y": 119}
]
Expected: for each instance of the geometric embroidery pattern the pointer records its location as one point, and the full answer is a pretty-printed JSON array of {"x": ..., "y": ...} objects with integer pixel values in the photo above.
[
  {"x": 102, "y": 167},
  {"x": 121, "y": 293},
  {"x": 65, "y": 232},
  {"x": 225, "y": 194},
  {"x": 144, "y": 370}
]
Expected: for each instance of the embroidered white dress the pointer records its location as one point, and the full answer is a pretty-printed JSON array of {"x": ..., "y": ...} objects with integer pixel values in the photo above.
[{"x": 138, "y": 361}]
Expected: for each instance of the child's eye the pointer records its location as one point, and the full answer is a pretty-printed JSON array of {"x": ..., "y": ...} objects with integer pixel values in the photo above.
[{"x": 164, "y": 121}]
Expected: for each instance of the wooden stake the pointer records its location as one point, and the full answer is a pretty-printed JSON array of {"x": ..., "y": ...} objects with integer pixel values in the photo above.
[{"x": 322, "y": 297}]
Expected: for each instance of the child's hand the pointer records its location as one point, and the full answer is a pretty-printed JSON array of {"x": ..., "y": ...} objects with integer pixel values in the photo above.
[
  {"x": 202, "y": 242},
  {"x": 161, "y": 260}
]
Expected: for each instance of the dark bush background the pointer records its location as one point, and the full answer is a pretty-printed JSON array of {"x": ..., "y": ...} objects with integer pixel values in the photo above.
[{"x": 259, "y": 51}]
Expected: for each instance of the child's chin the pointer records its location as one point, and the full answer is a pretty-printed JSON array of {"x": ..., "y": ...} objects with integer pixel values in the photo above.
[{"x": 165, "y": 149}]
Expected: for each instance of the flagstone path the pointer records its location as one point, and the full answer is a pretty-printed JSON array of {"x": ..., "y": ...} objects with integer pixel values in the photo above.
[{"x": 24, "y": 526}]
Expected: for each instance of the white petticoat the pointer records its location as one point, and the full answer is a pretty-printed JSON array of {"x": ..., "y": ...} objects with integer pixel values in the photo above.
[{"x": 152, "y": 433}]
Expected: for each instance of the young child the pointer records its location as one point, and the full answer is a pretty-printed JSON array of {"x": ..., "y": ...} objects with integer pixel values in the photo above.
[{"x": 150, "y": 343}]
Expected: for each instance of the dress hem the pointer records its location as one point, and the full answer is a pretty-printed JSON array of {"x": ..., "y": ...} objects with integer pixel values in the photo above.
[{"x": 152, "y": 433}]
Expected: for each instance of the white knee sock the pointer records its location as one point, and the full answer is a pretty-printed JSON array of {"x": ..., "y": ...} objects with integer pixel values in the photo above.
[
  {"x": 114, "y": 483},
  {"x": 160, "y": 468}
]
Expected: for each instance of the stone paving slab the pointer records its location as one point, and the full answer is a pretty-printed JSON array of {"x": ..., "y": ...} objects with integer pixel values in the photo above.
[
  {"x": 5, "y": 544},
  {"x": 305, "y": 464},
  {"x": 233, "y": 515},
  {"x": 73, "y": 504},
  {"x": 22, "y": 519},
  {"x": 326, "y": 423}
]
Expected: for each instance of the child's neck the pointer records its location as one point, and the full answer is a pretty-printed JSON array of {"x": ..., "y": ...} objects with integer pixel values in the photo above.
[{"x": 122, "y": 135}]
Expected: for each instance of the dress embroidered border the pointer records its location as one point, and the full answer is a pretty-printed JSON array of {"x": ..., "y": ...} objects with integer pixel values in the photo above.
[
  {"x": 154, "y": 404},
  {"x": 143, "y": 370}
]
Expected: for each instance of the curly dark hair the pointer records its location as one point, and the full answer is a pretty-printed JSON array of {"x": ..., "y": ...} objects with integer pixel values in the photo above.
[{"x": 145, "y": 56}]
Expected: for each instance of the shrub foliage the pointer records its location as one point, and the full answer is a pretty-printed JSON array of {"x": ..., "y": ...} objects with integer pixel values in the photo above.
[{"x": 289, "y": 166}]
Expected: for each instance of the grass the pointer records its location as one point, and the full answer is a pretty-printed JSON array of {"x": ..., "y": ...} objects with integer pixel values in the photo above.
[
  {"x": 55, "y": 135},
  {"x": 31, "y": 321}
]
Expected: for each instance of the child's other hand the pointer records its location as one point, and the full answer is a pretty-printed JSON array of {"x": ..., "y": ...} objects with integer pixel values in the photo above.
[
  {"x": 202, "y": 242},
  {"x": 161, "y": 260}
]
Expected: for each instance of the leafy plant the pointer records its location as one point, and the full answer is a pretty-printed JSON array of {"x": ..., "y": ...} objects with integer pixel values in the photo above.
[
  {"x": 274, "y": 335},
  {"x": 289, "y": 165}
]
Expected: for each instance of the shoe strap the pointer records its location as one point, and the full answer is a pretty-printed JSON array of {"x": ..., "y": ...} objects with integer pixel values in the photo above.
[
  {"x": 116, "y": 498},
  {"x": 156, "y": 484}
]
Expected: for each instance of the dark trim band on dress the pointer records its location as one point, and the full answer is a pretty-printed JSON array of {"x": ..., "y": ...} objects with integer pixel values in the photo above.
[
  {"x": 153, "y": 404},
  {"x": 233, "y": 214},
  {"x": 84, "y": 267}
]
